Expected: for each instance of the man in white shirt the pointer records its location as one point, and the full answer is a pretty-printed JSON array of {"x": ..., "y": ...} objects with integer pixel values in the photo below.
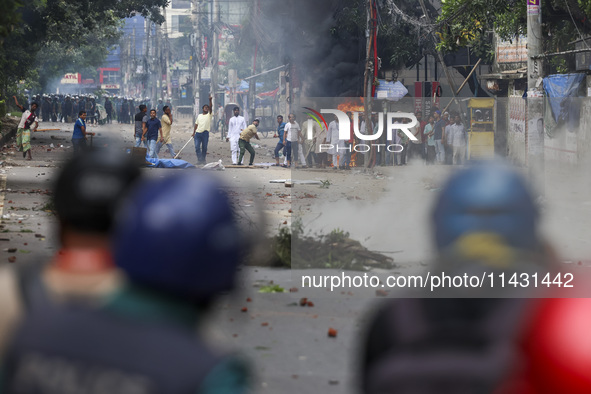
[
  {"x": 332, "y": 138},
  {"x": 290, "y": 138},
  {"x": 458, "y": 141},
  {"x": 201, "y": 132},
  {"x": 235, "y": 126}
]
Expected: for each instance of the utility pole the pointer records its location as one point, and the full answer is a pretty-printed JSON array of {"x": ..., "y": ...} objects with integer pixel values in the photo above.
[
  {"x": 195, "y": 63},
  {"x": 534, "y": 135},
  {"x": 450, "y": 80},
  {"x": 157, "y": 86},
  {"x": 252, "y": 83},
  {"x": 369, "y": 77},
  {"x": 215, "y": 54},
  {"x": 148, "y": 59},
  {"x": 167, "y": 58},
  {"x": 133, "y": 67}
]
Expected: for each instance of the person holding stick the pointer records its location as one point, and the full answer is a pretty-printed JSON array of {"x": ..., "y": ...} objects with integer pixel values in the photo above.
[{"x": 244, "y": 141}]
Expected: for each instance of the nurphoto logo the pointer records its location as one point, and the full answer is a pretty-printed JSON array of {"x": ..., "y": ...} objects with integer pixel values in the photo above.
[{"x": 344, "y": 127}]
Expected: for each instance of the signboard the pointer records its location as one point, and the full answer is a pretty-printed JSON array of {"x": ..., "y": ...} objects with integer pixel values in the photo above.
[
  {"x": 533, "y": 7},
  {"x": 110, "y": 86},
  {"x": 391, "y": 90},
  {"x": 71, "y": 78},
  {"x": 512, "y": 52}
]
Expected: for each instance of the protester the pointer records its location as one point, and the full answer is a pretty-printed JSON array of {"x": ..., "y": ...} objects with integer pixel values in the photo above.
[
  {"x": 201, "y": 132},
  {"x": 235, "y": 126},
  {"x": 244, "y": 142},
  {"x": 458, "y": 141},
  {"x": 447, "y": 139},
  {"x": 166, "y": 138},
  {"x": 80, "y": 133},
  {"x": 290, "y": 138},
  {"x": 23, "y": 133},
  {"x": 141, "y": 118},
  {"x": 428, "y": 135},
  {"x": 438, "y": 130},
  {"x": 280, "y": 144},
  {"x": 321, "y": 155},
  {"x": 336, "y": 145},
  {"x": 152, "y": 133}
]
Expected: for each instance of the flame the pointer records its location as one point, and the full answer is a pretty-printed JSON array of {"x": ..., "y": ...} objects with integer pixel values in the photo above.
[{"x": 352, "y": 105}]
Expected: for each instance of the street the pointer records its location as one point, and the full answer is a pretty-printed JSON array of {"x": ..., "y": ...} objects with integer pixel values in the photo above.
[{"x": 386, "y": 209}]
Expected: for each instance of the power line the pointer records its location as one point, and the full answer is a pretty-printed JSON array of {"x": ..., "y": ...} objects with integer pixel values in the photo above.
[{"x": 574, "y": 23}]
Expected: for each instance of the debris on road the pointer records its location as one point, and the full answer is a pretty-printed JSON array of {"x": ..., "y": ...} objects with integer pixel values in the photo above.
[
  {"x": 332, "y": 332},
  {"x": 271, "y": 289}
]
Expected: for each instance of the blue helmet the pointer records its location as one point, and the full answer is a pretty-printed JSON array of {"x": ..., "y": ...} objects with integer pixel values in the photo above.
[
  {"x": 179, "y": 235},
  {"x": 487, "y": 198}
]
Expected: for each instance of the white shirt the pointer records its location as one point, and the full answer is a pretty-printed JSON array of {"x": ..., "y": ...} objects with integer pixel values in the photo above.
[
  {"x": 292, "y": 136},
  {"x": 235, "y": 126},
  {"x": 24, "y": 117},
  {"x": 332, "y": 138},
  {"x": 362, "y": 127},
  {"x": 458, "y": 135},
  {"x": 449, "y": 135}
]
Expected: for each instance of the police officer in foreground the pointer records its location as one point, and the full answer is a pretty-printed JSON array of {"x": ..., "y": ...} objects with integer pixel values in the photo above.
[
  {"x": 178, "y": 242},
  {"x": 86, "y": 193},
  {"x": 465, "y": 340}
]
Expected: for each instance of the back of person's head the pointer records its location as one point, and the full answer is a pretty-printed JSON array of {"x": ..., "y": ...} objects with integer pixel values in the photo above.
[
  {"x": 486, "y": 218},
  {"x": 179, "y": 236},
  {"x": 487, "y": 198},
  {"x": 89, "y": 188}
]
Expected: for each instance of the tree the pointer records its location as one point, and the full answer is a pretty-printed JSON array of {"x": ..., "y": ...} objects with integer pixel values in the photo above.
[
  {"x": 56, "y": 36},
  {"x": 466, "y": 23}
]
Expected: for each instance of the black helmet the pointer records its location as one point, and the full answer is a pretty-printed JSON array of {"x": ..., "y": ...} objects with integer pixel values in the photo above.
[{"x": 89, "y": 188}]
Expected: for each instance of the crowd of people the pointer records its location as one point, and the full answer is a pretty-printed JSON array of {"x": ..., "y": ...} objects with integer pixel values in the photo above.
[
  {"x": 65, "y": 107},
  {"x": 439, "y": 140}
]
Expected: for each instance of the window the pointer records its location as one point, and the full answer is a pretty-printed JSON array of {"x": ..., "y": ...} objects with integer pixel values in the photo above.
[{"x": 180, "y": 4}]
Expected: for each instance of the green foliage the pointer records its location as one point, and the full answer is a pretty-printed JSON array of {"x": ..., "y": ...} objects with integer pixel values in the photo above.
[
  {"x": 46, "y": 38},
  {"x": 335, "y": 236},
  {"x": 9, "y": 17},
  {"x": 271, "y": 289},
  {"x": 467, "y": 23},
  {"x": 585, "y": 6},
  {"x": 282, "y": 247}
]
